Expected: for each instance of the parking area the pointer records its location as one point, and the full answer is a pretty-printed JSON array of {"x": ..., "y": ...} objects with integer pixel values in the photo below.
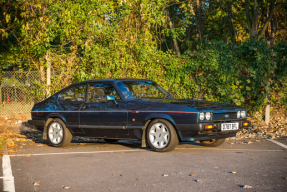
[{"x": 125, "y": 166}]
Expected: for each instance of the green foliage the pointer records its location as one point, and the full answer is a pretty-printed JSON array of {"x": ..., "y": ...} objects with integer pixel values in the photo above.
[{"x": 84, "y": 40}]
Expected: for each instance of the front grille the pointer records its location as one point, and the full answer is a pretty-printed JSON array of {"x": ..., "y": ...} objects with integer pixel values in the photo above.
[{"x": 221, "y": 116}]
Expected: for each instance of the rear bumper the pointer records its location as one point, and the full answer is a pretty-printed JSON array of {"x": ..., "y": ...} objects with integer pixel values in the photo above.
[{"x": 40, "y": 123}]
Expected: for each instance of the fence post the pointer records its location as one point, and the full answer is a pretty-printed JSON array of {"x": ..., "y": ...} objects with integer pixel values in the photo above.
[
  {"x": 1, "y": 88},
  {"x": 48, "y": 74},
  {"x": 267, "y": 110}
]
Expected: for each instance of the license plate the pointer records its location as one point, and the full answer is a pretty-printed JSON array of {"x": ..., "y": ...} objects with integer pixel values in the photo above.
[{"x": 229, "y": 126}]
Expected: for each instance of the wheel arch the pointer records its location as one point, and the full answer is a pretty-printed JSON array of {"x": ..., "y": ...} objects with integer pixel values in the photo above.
[
  {"x": 49, "y": 118},
  {"x": 56, "y": 115},
  {"x": 152, "y": 117}
]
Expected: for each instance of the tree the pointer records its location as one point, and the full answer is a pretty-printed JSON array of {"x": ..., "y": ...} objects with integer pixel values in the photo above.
[{"x": 252, "y": 15}]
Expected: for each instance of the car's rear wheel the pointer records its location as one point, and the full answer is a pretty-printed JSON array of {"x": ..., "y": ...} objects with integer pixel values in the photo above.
[
  {"x": 58, "y": 134},
  {"x": 161, "y": 136},
  {"x": 212, "y": 142},
  {"x": 111, "y": 140}
]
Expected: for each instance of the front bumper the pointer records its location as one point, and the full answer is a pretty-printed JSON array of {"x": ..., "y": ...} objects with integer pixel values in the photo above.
[{"x": 197, "y": 132}]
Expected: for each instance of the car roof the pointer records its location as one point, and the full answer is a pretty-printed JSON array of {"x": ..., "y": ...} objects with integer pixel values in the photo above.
[
  {"x": 108, "y": 80},
  {"x": 113, "y": 80}
]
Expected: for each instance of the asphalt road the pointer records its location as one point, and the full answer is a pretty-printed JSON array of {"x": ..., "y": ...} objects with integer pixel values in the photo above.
[{"x": 125, "y": 166}]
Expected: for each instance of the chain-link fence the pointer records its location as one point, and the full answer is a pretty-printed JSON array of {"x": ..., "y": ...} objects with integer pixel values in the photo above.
[{"x": 17, "y": 91}]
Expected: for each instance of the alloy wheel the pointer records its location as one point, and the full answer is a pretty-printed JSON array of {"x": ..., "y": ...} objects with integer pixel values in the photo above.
[
  {"x": 56, "y": 133},
  {"x": 159, "y": 135}
]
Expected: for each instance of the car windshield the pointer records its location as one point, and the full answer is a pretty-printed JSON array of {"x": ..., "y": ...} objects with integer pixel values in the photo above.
[{"x": 142, "y": 90}]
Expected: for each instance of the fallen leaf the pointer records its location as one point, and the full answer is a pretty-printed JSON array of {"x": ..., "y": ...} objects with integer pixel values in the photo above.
[
  {"x": 28, "y": 160},
  {"x": 193, "y": 175},
  {"x": 179, "y": 173},
  {"x": 18, "y": 169},
  {"x": 47, "y": 166},
  {"x": 67, "y": 187},
  {"x": 121, "y": 175},
  {"x": 115, "y": 174},
  {"x": 247, "y": 187},
  {"x": 138, "y": 179},
  {"x": 87, "y": 166},
  {"x": 216, "y": 167},
  {"x": 198, "y": 181}
]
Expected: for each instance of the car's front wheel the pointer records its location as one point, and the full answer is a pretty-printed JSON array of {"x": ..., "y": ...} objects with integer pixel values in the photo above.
[
  {"x": 161, "y": 136},
  {"x": 212, "y": 142},
  {"x": 58, "y": 134}
]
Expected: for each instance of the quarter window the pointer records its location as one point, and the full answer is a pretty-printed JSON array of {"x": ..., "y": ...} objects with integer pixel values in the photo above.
[
  {"x": 74, "y": 94},
  {"x": 98, "y": 92}
]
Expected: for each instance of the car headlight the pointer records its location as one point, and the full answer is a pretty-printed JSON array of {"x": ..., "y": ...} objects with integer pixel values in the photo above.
[
  {"x": 238, "y": 114},
  {"x": 207, "y": 116},
  {"x": 243, "y": 114},
  {"x": 201, "y": 116}
]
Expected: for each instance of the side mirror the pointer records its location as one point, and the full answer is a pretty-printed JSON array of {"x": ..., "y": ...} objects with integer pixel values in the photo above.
[{"x": 111, "y": 98}]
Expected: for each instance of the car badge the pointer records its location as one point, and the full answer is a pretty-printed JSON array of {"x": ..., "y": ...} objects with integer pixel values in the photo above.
[{"x": 226, "y": 116}]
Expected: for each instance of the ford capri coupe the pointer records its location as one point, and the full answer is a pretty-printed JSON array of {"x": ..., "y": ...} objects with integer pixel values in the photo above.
[{"x": 134, "y": 109}]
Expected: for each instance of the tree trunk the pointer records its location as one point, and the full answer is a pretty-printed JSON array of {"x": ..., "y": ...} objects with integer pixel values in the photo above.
[
  {"x": 271, "y": 11},
  {"x": 189, "y": 35},
  {"x": 176, "y": 47},
  {"x": 273, "y": 31},
  {"x": 231, "y": 24},
  {"x": 253, "y": 24},
  {"x": 199, "y": 18},
  {"x": 42, "y": 73}
]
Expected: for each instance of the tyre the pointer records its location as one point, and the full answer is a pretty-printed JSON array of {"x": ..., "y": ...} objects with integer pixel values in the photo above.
[
  {"x": 161, "y": 136},
  {"x": 111, "y": 140},
  {"x": 212, "y": 142},
  {"x": 58, "y": 134}
]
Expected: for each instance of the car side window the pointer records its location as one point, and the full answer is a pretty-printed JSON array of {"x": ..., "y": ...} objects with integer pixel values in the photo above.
[
  {"x": 99, "y": 91},
  {"x": 74, "y": 94}
]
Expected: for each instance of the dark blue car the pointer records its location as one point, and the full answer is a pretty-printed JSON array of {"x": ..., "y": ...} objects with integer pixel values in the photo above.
[{"x": 134, "y": 109}]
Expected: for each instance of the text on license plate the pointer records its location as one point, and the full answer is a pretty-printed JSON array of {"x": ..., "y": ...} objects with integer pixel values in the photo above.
[{"x": 229, "y": 126}]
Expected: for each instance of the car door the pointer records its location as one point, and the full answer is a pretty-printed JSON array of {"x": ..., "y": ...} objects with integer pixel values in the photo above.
[
  {"x": 102, "y": 118},
  {"x": 71, "y": 101}
]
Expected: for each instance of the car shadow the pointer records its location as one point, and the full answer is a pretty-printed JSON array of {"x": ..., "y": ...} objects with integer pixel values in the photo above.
[{"x": 37, "y": 136}]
